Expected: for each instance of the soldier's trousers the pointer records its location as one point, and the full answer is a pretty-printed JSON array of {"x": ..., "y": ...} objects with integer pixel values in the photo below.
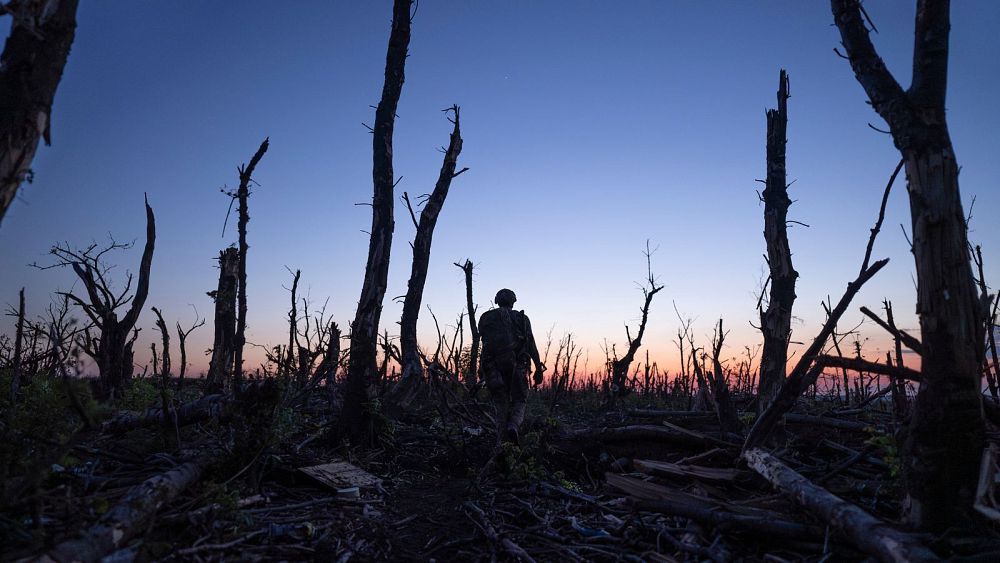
[{"x": 509, "y": 390}]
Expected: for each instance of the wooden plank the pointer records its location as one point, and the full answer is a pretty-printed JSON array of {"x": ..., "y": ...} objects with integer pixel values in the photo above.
[
  {"x": 341, "y": 474},
  {"x": 665, "y": 468}
]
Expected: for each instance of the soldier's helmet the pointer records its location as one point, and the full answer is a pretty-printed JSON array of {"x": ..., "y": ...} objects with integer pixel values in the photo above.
[{"x": 505, "y": 297}]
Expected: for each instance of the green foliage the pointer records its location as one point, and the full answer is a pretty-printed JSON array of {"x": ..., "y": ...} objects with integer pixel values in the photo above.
[
  {"x": 140, "y": 395},
  {"x": 889, "y": 452},
  {"x": 43, "y": 420}
]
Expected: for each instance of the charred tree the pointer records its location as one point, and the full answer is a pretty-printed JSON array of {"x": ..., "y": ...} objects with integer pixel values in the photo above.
[
  {"x": 471, "y": 373},
  {"x": 224, "y": 343},
  {"x": 619, "y": 367},
  {"x": 413, "y": 371},
  {"x": 15, "y": 377},
  {"x": 362, "y": 366},
  {"x": 293, "y": 329},
  {"x": 112, "y": 349},
  {"x": 776, "y": 321},
  {"x": 945, "y": 437},
  {"x": 729, "y": 421},
  {"x": 243, "y": 195},
  {"x": 31, "y": 67},
  {"x": 164, "y": 373},
  {"x": 182, "y": 335}
]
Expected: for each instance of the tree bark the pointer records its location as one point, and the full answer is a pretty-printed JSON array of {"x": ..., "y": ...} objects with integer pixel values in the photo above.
[
  {"x": 31, "y": 67},
  {"x": 362, "y": 367},
  {"x": 776, "y": 322},
  {"x": 945, "y": 438},
  {"x": 224, "y": 343},
  {"x": 243, "y": 194},
  {"x": 867, "y": 533},
  {"x": 413, "y": 370}
]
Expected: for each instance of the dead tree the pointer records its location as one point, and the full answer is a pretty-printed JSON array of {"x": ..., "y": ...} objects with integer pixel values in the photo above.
[
  {"x": 243, "y": 195},
  {"x": 224, "y": 343},
  {"x": 164, "y": 373},
  {"x": 15, "y": 378},
  {"x": 945, "y": 438},
  {"x": 804, "y": 374},
  {"x": 776, "y": 322},
  {"x": 112, "y": 349},
  {"x": 989, "y": 321},
  {"x": 724, "y": 407},
  {"x": 413, "y": 371},
  {"x": 471, "y": 374},
  {"x": 620, "y": 366},
  {"x": 293, "y": 329},
  {"x": 182, "y": 335},
  {"x": 31, "y": 67},
  {"x": 364, "y": 330}
]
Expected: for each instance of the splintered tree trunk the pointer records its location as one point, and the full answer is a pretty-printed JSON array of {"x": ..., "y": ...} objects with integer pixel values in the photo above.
[
  {"x": 364, "y": 330},
  {"x": 471, "y": 374},
  {"x": 413, "y": 370},
  {"x": 31, "y": 67},
  {"x": 776, "y": 322},
  {"x": 114, "y": 352},
  {"x": 243, "y": 194},
  {"x": 224, "y": 343},
  {"x": 945, "y": 438},
  {"x": 619, "y": 374}
]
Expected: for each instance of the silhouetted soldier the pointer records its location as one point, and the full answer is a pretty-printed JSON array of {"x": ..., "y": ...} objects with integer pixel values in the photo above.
[{"x": 508, "y": 351}]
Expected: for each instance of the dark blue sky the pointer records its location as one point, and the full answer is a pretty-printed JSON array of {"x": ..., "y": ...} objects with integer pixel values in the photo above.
[{"x": 589, "y": 127}]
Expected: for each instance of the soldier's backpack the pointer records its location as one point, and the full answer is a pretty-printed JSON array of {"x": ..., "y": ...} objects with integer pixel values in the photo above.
[{"x": 506, "y": 338}]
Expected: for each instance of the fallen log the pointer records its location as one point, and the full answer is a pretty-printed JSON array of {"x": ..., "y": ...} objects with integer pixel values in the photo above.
[
  {"x": 205, "y": 408},
  {"x": 640, "y": 432},
  {"x": 855, "y": 425},
  {"x": 656, "y": 498},
  {"x": 640, "y": 413},
  {"x": 129, "y": 517},
  {"x": 867, "y": 533}
]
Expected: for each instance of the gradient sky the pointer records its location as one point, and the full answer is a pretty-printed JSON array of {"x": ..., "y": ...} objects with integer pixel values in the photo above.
[{"x": 589, "y": 127}]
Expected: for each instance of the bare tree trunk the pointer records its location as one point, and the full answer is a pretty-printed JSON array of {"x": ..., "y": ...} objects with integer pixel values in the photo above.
[
  {"x": 113, "y": 350},
  {"x": 724, "y": 407},
  {"x": 224, "y": 343},
  {"x": 471, "y": 375},
  {"x": 945, "y": 438},
  {"x": 364, "y": 330},
  {"x": 164, "y": 374},
  {"x": 776, "y": 322},
  {"x": 413, "y": 371},
  {"x": 31, "y": 67},
  {"x": 293, "y": 328},
  {"x": 988, "y": 320},
  {"x": 182, "y": 339},
  {"x": 619, "y": 368},
  {"x": 327, "y": 369},
  {"x": 15, "y": 379},
  {"x": 243, "y": 194}
]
